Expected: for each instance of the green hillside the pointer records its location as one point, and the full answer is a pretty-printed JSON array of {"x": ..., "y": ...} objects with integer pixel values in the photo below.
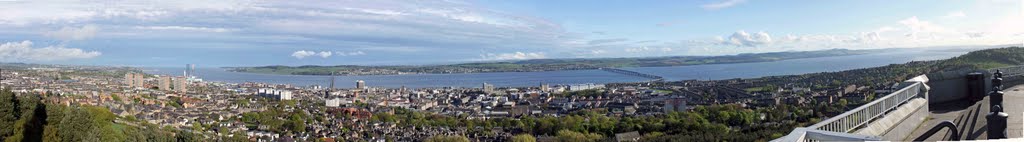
[{"x": 987, "y": 59}]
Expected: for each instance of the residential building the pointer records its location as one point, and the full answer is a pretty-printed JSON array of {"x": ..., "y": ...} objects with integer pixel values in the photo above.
[
  {"x": 134, "y": 79},
  {"x": 181, "y": 84},
  {"x": 360, "y": 84},
  {"x": 488, "y": 88},
  {"x": 165, "y": 83}
]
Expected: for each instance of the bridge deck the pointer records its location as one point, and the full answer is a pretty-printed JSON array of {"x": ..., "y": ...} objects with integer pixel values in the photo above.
[
  {"x": 632, "y": 73},
  {"x": 969, "y": 117}
]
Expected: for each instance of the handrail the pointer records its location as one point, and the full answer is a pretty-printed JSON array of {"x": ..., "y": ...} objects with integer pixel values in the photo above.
[
  {"x": 860, "y": 116},
  {"x": 943, "y": 124},
  {"x": 840, "y": 126},
  {"x": 1010, "y": 71},
  {"x": 809, "y": 135}
]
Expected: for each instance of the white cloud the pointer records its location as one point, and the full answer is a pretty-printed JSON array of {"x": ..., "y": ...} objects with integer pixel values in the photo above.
[
  {"x": 885, "y": 29},
  {"x": 604, "y": 41},
  {"x": 866, "y": 37},
  {"x": 722, "y": 4},
  {"x": 324, "y": 54},
  {"x": 514, "y": 56},
  {"x": 73, "y": 33},
  {"x": 955, "y": 14},
  {"x": 353, "y": 53},
  {"x": 23, "y": 51},
  {"x": 185, "y": 28},
  {"x": 445, "y": 28},
  {"x": 975, "y": 34},
  {"x": 647, "y": 49},
  {"x": 638, "y": 49},
  {"x": 303, "y": 54},
  {"x": 141, "y": 14},
  {"x": 922, "y": 29},
  {"x": 50, "y": 12},
  {"x": 791, "y": 38},
  {"x": 459, "y": 28},
  {"x": 742, "y": 38},
  {"x": 377, "y": 11}
]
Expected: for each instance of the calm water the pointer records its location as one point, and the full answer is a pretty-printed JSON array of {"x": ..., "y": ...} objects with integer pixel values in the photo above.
[
  {"x": 794, "y": 66},
  {"x": 520, "y": 79},
  {"x": 515, "y": 79}
]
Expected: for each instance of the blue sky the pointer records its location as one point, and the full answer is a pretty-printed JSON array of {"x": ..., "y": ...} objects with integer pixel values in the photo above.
[{"x": 386, "y": 32}]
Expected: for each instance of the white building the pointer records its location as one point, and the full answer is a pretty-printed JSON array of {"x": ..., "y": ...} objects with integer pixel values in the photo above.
[
  {"x": 578, "y": 87},
  {"x": 274, "y": 93},
  {"x": 360, "y": 84},
  {"x": 285, "y": 95},
  {"x": 487, "y": 88},
  {"x": 335, "y": 102}
]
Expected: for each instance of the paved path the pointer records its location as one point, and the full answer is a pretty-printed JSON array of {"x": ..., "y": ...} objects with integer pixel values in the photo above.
[
  {"x": 1014, "y": 102},
  {"x": 969, "y": 117}
]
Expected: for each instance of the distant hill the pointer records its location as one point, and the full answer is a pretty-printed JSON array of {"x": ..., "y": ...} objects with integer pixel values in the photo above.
[
  {"x": 986, "y": 59},
  {"x": 548, "y": 64},
  {"x": 974, "y": 60}
]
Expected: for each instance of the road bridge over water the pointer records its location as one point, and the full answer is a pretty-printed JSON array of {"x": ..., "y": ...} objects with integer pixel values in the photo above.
[{"x": 633, "y": 73}]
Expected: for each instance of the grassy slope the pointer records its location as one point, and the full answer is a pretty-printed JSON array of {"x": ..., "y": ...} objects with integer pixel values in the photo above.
[{"x": 987, "y": 59}]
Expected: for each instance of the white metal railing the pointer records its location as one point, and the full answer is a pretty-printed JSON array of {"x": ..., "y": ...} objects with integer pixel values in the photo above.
[
  {"x": 840, "y": 126},
  {"x": 860, "y": 116},
  {"x": 811, "y": 135}
]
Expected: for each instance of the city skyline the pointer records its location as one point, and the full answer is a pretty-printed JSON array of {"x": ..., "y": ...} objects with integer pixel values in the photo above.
[{"x": 248, "y": 33}]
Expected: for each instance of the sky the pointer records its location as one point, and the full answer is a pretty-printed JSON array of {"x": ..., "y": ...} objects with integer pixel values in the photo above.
[{"x": 219, "y": 33}]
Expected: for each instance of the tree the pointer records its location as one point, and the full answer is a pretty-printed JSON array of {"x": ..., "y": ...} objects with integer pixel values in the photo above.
[
  {"x": 115, "y": 97},
  {"x": 572, "y": 136},
  {"x": 651, "y": 136},
  {"x": 153, "y": 134},
  {"x": 239, "y": 137},
  {"x": 50, "y": 134},
  {"x": 76, "y": 125},
  {"x": 9, "y": 113},
  {"x": 296, "y": 123},
  {"x": 524, "y": 138},
  {"x": 843, "y": 103},
  {"x": 447, "y": 139},
  {"x": 30, "y": 126},
  {"x": 133, "y": 134},
  {"x": 183, "y": 136}
]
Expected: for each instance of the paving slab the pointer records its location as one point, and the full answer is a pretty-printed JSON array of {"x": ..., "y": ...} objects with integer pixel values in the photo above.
[{"x": 969, "y": 117}]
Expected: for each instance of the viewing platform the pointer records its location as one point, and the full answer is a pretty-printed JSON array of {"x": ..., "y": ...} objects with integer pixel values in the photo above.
[
  {"x": 946, "y": 106},
  {"x": 970, "y": 117}
]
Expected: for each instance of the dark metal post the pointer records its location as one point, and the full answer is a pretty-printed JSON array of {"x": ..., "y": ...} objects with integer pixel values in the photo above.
[
  {"x": 996, "y": 118},
  {"x": 995, "y": 98},
  {"x": 997, "y": 80},
  {"x": 996, "y": 123}
]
